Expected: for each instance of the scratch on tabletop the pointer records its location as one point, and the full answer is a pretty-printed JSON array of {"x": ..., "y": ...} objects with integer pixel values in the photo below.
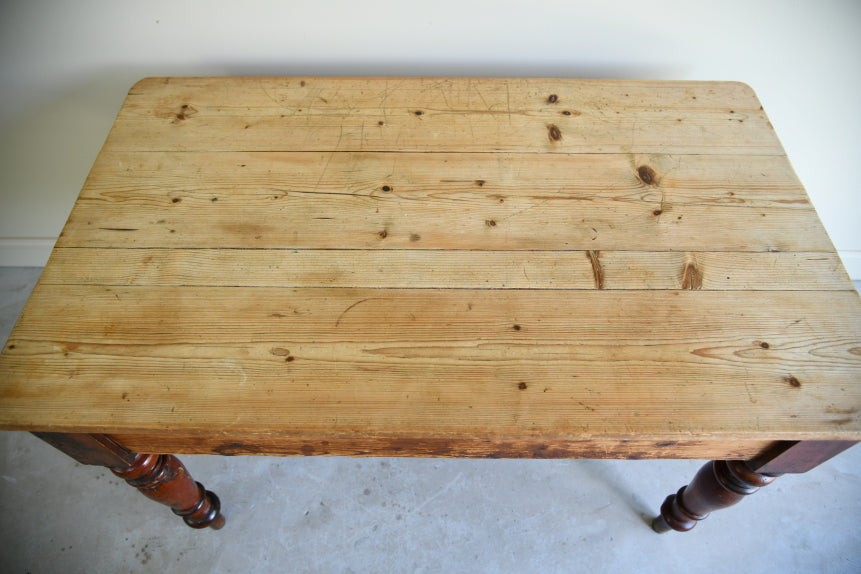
[{"x": 341, "y": 316}]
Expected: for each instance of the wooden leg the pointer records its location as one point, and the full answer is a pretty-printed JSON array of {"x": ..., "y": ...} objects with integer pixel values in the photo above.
[
  {"x": 160, "y": 477},
  {"x": 720, "y": 484},
  {"x": 717, "y": 485}
]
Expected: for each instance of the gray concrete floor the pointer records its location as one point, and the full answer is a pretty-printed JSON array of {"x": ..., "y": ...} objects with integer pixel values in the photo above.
[{"x": 320, "y": 514}]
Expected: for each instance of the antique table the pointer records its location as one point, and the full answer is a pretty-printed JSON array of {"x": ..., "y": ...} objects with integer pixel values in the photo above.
[{"x": 444, "y": 268}]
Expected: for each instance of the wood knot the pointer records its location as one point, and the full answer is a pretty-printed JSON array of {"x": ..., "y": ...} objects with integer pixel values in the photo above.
[
  {"x": 522, "y": 386},
  {"x": 185, "y": 111},
  {"x": 692, "y": 278},
  {"x": 553, "y": 133},
  {"x": 792, "y": 382},
  {"x": 490, "y": 222},
  {"x": 552, "y": 99},
  {"x": 647, "y": 175}
]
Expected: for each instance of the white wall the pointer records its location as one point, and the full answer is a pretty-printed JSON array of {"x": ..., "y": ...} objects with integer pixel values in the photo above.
[{"x": 65, "y": 67}]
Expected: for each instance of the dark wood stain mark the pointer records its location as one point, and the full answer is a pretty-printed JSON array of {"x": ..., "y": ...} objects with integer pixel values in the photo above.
[
  {"x": 415, "y": 237},
  {"x": 764, "y": 345},
  {"x": 290, "y": 359},
  {"x": 792, "y": 382},
  {"x": 231, "y": 449},
  {"x": 176, "y": 200},
  {"x": 418, "y": 112},
  {"x": 647, "y": 175},
  {"x": 522, "y": 386},
  {"x": 597, "y": 270},
  {"x": 553, "y": 133},
  {"x": 516, "y": 327},
  {"x": 692, "y": 278},
  {"x": 380, "y": 123},
  {"x": 302, "y": 83}
]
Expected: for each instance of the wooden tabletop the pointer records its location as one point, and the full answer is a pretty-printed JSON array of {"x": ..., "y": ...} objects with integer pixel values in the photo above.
[{"x": 470, "y": 267}]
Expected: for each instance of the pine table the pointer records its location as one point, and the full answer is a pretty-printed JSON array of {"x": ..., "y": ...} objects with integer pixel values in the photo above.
[{"x": 446, "y": 267}]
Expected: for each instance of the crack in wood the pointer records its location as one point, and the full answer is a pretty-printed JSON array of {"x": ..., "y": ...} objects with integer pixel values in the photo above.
[{"x": 597, "y": 270}]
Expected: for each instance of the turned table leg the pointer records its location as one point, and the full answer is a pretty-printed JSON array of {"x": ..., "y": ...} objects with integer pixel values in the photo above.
[
  {"x": 717, "y": 485},
  {"x": 160, "y": 477},
  {"x": 722, "y": 483}
]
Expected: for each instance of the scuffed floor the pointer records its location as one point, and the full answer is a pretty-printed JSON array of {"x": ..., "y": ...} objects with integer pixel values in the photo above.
[{"x": 319, "y": 514}]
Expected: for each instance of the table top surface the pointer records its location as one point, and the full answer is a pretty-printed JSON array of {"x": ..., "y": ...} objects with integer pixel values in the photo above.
[{"x": 447, "y": 257}]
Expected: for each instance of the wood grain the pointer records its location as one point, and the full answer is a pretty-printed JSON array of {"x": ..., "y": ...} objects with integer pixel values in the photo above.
[{"x": 405, "y": 444}]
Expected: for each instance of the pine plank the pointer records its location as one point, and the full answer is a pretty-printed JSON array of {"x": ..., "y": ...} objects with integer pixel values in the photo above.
[
  {"x": 452, "y": 268},
  {"x": 339, "y": 222},
  {"x": 456, "y": 178},
  {"x": 443, "y": 201},
  {"x": 504, "y": 362},
  {"x": 442, "y": 114}
]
